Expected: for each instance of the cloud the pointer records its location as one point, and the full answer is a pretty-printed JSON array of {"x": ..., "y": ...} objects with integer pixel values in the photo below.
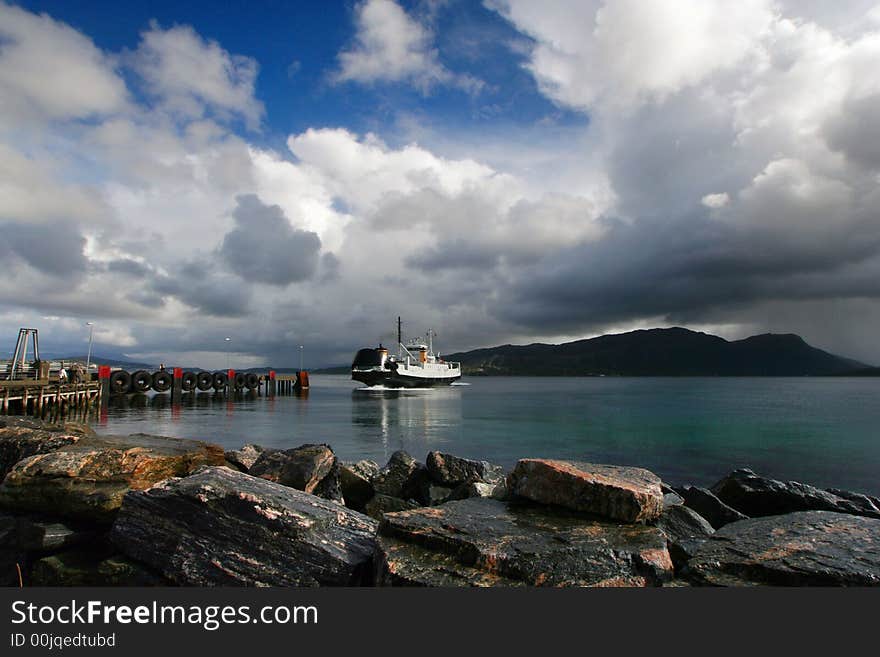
[
  {"x": 191, "y": 76},
  {"x": 264, "y": 247},
  {"x": 32, "y": 81},
  {"x": 715, "y": 201},
  {"x": 53, "y": 249},
  {"x": 391, "y": 46}
]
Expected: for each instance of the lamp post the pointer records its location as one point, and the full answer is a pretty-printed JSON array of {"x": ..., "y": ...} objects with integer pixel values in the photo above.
[
  {"x": 300, "y": 358},
  {"x": 91, "y": 326},
  {"x": 227, "y": 340}
]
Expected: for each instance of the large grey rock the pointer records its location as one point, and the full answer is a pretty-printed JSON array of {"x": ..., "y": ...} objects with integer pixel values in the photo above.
[
  {"x": 244, "y": 458},
  {"x": 219, "y": 527},
  {"x": 710, "y": 507},
  {"x": 808, "y": 548},
  {"x": 402, "y": 477},
  {"x": 484, "y": 542},
  {"x": 89, "y": 478},
  {"x": 453, "y": 471},
  {"x": 757, "y": 496},
  {"x": 356, "y": 481},
  {"x": 24, "y": 437},
  {"x": 611, "y": 491},
  {"x": 685, "y": 531},
  {"x": 310, "y": 468}
]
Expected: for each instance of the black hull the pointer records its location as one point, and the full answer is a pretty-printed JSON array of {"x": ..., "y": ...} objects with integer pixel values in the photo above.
[{"x": 395, "y": 380}]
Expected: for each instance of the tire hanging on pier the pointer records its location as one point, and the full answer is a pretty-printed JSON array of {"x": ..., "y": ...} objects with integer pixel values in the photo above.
[
  {"x": 162, "y": 381},
  {"x": 221, "y": 380},
  {"x": 188, "y": 381},
  {"x": 141, "y": 381},
  {"x": 204, "y": 381},
  {"x": 251, "y": 381},
  {"x": 240, "y": 380},
  {"x": 120, "y": 382}
]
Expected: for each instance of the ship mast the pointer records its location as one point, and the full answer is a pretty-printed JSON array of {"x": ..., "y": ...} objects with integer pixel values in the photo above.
[{"x": 399, "y": 339}]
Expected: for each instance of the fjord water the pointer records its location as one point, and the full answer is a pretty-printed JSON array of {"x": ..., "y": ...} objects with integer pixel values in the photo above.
[{"x": 823, "y": 431}]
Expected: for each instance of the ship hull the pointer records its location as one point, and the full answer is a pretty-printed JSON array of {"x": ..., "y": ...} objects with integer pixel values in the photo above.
[{"x": 390, "y": 379}]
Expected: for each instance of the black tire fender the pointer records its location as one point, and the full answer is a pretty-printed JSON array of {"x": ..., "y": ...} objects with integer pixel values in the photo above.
[
  {"x": 221, "y": 380},
  {"x": 251, "y": 381},
  {"x": 204, "y": 381},
  {"x": 141, "y": 381},
  {"x": 162, "y": 381},
  {"x": 188, "y": 381},
  {"x": 120, "y": 382}
]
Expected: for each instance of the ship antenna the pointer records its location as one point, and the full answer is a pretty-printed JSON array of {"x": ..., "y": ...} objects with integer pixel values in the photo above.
[{"x": 399, "y": 338}]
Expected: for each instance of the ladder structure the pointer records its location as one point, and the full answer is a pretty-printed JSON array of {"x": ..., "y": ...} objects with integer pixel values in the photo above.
[{"x": 19, "y": 359}]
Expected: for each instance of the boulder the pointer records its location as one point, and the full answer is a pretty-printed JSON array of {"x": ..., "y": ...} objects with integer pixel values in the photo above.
[
  {"x": 382, "y": 504},
  {"x": 219, "y": 527},
  {"x": 402, "y": 477},
  {"x": 85, "y": 568},
  {"x": 672, "y": 499},
  {"x": 89, "y": 478},
  {"x": 433, "y": 494},
  {"x": 310, "y": 468},
  {"x": 452, "y": 471},
  {"x": 685, "y": 531},
  {"x": 497, "y": 491},
  {"x": 615, "y": 492},
  {"x": 244, "y": 458},
  {"x": 757, "y": 496},
  {"x": 356, "y": 481},
  {"x": 486, "y": 542},
  {"x": 23, "y": 437},
  {"x": 807, "y": 548},
  {"x": 710, "y": 507}
]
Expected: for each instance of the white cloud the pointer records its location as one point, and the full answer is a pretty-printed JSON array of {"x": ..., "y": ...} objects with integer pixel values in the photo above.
[
  {"x": 191, "y": 76},
  {"x": 32, "y": 81},
  {"x": 716, "y": 200},
  {"x": 391, "y": 46}
]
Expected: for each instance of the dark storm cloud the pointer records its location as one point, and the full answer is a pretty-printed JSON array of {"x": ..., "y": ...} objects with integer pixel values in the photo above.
[
  {"x": 128, "y": 267},
  {"x": 55, "y": 249},
  {"x": 686, "y": 270},
  {"x": 265, "y": 248},
  {"x": 855, "y": 131},
  {"x": 455, "y": 254},
  {"x": 199, "y": 286}
]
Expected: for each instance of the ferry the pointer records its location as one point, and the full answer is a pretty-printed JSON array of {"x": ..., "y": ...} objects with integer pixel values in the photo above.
[{"x": 414, "y": 366}]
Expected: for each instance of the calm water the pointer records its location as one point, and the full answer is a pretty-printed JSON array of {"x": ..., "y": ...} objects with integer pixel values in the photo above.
[{"x": 822, "y": 431}]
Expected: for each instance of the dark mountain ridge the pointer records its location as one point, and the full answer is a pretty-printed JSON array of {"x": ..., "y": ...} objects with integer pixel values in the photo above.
[{"x": 659, "y": 352}]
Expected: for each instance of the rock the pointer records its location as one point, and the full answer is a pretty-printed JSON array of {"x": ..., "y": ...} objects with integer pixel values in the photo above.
[
  {"x": 452, "y": 471},
  {"x": 34, "y": 534},
  {"x": 807, "y": 548},
  {"x": 757, "y": 496},
  {"x": 615, "y": 492},
  {"x": 434, "y": 494},
  {"x": 382, "y": 504},
  {"x": 356, "y": 481},
  {"x": 685, "y": 531},
  {"x": 24, "y": 437},
  {"x": 244, "y": 458},
  {"x": 497, "y": 491},
  {"x": 710, "y": 507},
  {"x": 219, "y": 527},
  {"x": 672, "y": 499},
  {"x": 868, "y": 502},
  {"x": 83, "y": 568},
  {"x": 88, "y": 479},
  {"x": 486, "y": 542},
  {"x": 310, "y": 468},
  {"x": 401, "y": 477}
]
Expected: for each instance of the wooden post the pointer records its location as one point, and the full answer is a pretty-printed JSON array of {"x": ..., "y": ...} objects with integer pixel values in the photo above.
[
  {"x": 177, "y": 386},
  {"x": 270, "y": 384}
]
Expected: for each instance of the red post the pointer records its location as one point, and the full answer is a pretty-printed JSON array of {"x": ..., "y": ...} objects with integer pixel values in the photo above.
[
  {"x": 270, "y": 389},
  {"x": 176, "y": 389},
  {"x": 104, "y": 383}
]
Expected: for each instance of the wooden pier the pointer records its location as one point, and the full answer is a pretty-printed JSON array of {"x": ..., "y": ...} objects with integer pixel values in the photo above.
[{"x": 40, "y": 397}]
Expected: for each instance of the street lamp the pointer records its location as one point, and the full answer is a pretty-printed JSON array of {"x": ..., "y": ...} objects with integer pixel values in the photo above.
[
  {"x": 300, "y": 358},
  {"x": 227, "y": 340},
  {"x": 91, "y": 326}
]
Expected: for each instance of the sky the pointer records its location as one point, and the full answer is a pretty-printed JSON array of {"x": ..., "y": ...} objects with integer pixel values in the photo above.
[{"x": 505, "y": 171}]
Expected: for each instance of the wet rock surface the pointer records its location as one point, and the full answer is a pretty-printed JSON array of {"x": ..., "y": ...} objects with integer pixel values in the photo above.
[
  {"x": 757, "y": 496},
  {"x": 487, "y": 542},
  {"x": 401, "y": 477},
  {"x": 87, "y": 479},
  {"x": 615, "y": 492},
  {"x": 685, "y": 531},
  {"x": 226, "y": 528},
  {"x": 452, "y": 471},
  {"x": 705, "y": 503},
  {"x": 807, "y": 548},
  {"x": 380, "y": 504},
  {"x": 310, "y": 468}
]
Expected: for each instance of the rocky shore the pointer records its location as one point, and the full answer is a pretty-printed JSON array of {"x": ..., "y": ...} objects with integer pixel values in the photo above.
[{"x": 79, "y": 509}]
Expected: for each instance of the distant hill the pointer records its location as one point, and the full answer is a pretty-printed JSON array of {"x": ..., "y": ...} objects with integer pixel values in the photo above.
[{"x": 659, "y": 352}]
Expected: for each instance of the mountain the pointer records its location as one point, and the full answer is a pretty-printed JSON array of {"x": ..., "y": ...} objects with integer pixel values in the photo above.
[{"x": 659, "y": 352}]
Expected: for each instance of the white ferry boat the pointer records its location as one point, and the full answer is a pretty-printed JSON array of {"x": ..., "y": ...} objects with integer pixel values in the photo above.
[{"x": 414, "y": 366}]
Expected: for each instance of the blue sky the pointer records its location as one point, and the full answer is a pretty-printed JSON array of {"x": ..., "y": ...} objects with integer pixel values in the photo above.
[{"x": 500, "y": 171}]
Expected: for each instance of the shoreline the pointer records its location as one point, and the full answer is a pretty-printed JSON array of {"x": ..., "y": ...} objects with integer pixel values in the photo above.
[{"x": 77, "y": 508}]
